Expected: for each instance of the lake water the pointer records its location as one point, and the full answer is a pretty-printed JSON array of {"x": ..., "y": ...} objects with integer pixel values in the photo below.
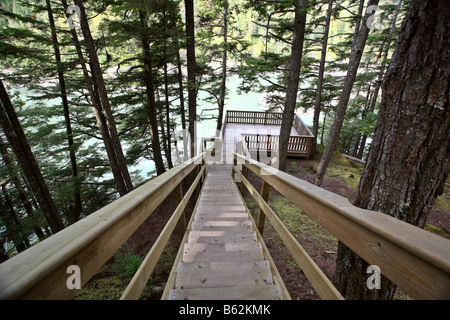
[{"x": 251, "y": 101}]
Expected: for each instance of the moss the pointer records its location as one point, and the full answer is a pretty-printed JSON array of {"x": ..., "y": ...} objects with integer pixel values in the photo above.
[
  {"x": 437, "y": 230},
  {"x": 443, "y": 202},
  {"x": 105, "y": 288},
  {"x": 301, "y": 225}
]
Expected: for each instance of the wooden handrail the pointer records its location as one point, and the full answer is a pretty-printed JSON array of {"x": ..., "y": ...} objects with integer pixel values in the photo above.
[
  {"x": 318, "y": 279},
  {"x": 140, "y": 278},
  {"x": 414, "y": 259},
  {"x": 40, "y": 272}
]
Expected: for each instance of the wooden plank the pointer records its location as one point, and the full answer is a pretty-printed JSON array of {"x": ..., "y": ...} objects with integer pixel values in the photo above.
[
  {"x": 222, "y": 279},
  {"x": 211, "y": 208},
  {"x": 178, "y": 194},
  {"x": 220, "y": 216},
  {"x": 260, "y": 292},
  {"x": 137, "y": 283},
  {"x": 173, "y": 272},
  {"x": 221, "y": 237},
  {"x": 40, "y": 272},
  {"x": 262, "y": 266},
  {"x": 276, "y": 274},
  {"x": 222, "y": 225},
  {"x": 414, "y": 259},
  {"x": 205, "y": 252},
  {"x": 318, "y": 279},
  {"x": 265, "y": 189}
]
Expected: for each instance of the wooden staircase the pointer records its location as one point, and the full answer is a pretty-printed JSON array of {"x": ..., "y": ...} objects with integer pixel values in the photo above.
[{"x": 223, "y": 256}]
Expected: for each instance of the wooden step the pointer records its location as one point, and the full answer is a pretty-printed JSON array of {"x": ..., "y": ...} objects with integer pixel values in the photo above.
[
  {"x": 202, "y": 207},
  {"x": 205, "y": 200},
  {"x": 223, "y": 266},
  {"x": 222, "y": 225},
  {"x": 221, "y": 237},
  {"x": 223, "y": 278},
  {"x": 205, "y": 216},
  {"x": 208, "y": 252},
  {"x": 255, "y": 292}
]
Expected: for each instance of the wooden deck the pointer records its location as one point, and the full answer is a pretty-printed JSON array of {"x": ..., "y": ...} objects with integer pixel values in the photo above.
[
  {"x": 260, "y": 131},
  {"x": 223, "y": 256}
]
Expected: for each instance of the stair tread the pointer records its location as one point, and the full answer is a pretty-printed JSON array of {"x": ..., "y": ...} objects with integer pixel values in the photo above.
[
  {"x": 221, "y": 225},
  {"x": 236, "y": 251},
  {"x": 223, "y": 266},
  {"x": 221, "y": 237},
  {"x": 254, "y": 292},
  {"x": 207, "y": 216},
  {"x": 223, "y": 279},
  {"x": 214, "y": 208}
]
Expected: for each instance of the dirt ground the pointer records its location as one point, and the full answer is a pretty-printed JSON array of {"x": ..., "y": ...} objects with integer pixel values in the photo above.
[{"x": 295, "y": 280}]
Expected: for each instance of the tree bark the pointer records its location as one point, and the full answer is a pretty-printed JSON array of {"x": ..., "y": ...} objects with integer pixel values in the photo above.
[
  {"x": 14, "y": 229},
  {"x": 223, "y": 83},
  {"x": 293, "y": 80},
  {"x": 101, "y": 87},
  {"x": 191, "y": 68},
  {"x": 318, "y": 98},
  {"x": 16, "y": 137},
  {"x": 98, "y": 111},
  {"x": 355, "y": 57},
  {"x": 408, "y": 161},
  {"x": 13, "y": 175},
  {"x": 380, "y": 77},
  {"x": 150, "y": 91},
  {"x": 75, "y": 211},
  {"x": 182, "y": 108},
  {"x": 166, "y": 94}
]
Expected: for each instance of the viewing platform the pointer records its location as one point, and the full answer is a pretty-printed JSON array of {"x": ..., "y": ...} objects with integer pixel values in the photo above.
[{"x": 260, "y": 132}]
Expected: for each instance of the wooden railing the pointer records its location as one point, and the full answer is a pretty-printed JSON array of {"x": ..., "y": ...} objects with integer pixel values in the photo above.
[
  {"x": 254, "y": 117},
  {"x": 41, "y": 272},
  {"x": 297, "y": 146},
  {"x": 414, "y": 259}
]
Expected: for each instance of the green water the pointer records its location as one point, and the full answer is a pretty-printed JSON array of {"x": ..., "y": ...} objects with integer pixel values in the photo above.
[{"x": 251, "y": 101}]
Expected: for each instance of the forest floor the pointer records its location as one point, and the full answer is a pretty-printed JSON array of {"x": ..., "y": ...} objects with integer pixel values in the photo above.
[{"x": 342, "y": 178}]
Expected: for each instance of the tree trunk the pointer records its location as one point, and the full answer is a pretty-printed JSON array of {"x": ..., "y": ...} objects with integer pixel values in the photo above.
[
  {"x": 380, "y": 77},
  {"x": 408, "y": 161},
  {"x": 14, "y": 229},
  {"x": 182, "y": 110},
  {"x": 318, "y": 98},
  {"x": 75, "y": 211},
  {"x": 100, "y": 117},
  {"x": 355, "y": 58},
  {"x": 166, "y": 95},
  {"x": 293, "y": 79},
  {"x": 98, "y": 78},
  {"x": 25, "y": 157},
  {"x": 150, "y": 91},
  {"x": 191, "y": 68},
  {"x": 13, "y": 175},
  {"x": 223, "y": 83}
]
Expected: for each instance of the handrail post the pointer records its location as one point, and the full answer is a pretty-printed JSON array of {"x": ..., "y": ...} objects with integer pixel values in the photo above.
[
  {"x": 234, "y": 163},
  {"x": 245, "y": 174},
  {"x": 265, "y": 189},
  {"x": 178, "y": 194}
]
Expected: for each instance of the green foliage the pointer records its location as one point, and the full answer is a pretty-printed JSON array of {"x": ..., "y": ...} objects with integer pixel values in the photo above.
[{"x": 127, "y": 264}]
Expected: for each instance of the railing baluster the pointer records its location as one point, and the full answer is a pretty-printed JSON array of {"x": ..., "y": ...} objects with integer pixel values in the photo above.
[
  {"x": 178, "y": 195},
  {"x": 265, "y": 190}
]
